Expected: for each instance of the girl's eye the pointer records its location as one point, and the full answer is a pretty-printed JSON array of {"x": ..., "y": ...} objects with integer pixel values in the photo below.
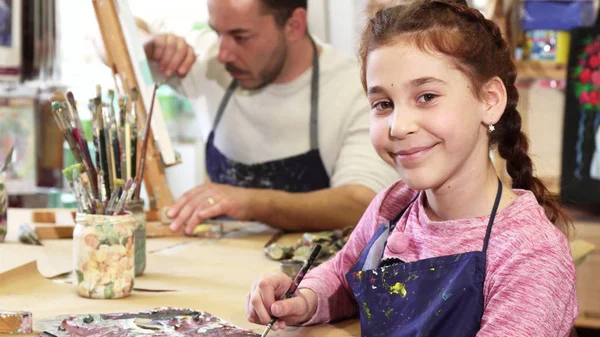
[
  {"x": 383, "y": 105},
  {"x": 426, "y": 98}
]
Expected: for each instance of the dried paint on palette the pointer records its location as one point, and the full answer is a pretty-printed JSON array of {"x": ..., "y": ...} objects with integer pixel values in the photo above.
[{"x": 167, "y": 322}]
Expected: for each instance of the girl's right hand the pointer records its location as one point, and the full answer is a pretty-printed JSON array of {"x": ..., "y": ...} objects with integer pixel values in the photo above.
[{"x": 263, "y": 301}]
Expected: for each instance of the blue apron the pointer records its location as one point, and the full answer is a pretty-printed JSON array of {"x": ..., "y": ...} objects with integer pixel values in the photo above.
[
  {"x": 301, "y": 173},
  {"x": 440, "y": 296}
]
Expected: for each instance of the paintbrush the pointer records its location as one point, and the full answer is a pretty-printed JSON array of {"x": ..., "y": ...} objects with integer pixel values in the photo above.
[
  {"x": 125, "y": 196},
  {"x": 7, "y": 159},
  {"x": 68, "y": 174},
  {"x": 113, "y": 136},
  {"x": 114, "y": 197},
  {"x": 133, "y": 133},
  {"x": 147, "y": 129},
  {"x": 92, "y": 108},
  {"x": 108, "y": 148},
  {"x": 292, "y": 289},
  {"x": 81, "y": 181},
  {"x": 104, "y": 171},
  {"x": 82, "y": 141},
  {"x": 62, "y": 125},
  {"x": 123, "y": 139}
]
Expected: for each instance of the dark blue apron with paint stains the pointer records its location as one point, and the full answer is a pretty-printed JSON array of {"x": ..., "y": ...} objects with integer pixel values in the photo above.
[
  {"x": 301, "y": 173},
  {"x": 441, "y": 296}
]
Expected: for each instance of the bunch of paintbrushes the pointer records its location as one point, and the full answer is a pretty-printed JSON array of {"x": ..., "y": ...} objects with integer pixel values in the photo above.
[{"x": 105, "y": 183}]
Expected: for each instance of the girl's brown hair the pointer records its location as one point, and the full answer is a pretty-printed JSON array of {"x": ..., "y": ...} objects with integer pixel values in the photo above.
[{"x": 478, "y": 50}]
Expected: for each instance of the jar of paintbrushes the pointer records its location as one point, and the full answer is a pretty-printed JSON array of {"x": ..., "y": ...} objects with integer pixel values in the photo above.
[
  {"x": 103, "y": 255},
  {"x": 136, "y": 208}
]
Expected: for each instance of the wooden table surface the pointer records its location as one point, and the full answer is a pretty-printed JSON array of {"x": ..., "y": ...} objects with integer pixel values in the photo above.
[{"x": 202, "y": 274}]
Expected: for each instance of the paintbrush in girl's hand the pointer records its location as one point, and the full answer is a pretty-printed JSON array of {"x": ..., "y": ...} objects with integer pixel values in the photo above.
[
  {"x": 140, "y": 173},
  {"x": 292, "y": 289}
]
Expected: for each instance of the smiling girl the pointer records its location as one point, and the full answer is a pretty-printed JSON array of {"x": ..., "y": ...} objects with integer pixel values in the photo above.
[{"x": 449, "y": 250}]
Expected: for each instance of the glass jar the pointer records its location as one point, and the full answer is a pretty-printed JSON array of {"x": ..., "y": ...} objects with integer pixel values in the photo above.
[
  {"x": 103, "y": 255},
  {"x": 136, "y": 208},
  {"x": 3, "y": 207}
]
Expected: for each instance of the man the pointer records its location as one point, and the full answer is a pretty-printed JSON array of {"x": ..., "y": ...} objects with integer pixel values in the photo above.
[{"x": 288, "y": 142}]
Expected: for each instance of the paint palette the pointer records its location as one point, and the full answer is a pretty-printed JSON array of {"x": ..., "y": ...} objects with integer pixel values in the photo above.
[{"x": 168, "y": 322}]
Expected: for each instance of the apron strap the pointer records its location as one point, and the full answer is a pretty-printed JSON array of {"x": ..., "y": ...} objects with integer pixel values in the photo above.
[
  {"x": 371, "y": 256},
  {"x": 223, "y": 103},
  {"x": 492, "y": 217}
]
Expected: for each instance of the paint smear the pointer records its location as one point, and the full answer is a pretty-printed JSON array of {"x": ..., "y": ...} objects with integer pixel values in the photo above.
[
  {"x": 367, "y": 311},
  {"x": 398, "y": 289}
]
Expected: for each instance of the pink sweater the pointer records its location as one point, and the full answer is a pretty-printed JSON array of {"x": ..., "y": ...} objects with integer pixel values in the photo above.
[{"x": 529, "y": 287}]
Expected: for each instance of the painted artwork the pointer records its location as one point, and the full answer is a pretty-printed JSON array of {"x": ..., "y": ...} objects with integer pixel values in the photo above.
[
  {"x": 160, "y": 322},
  {"x": 580, "y": 180},
  {"x": 10, "y": 40},
  {"x": 6, "y": 23},
  {"x": 18, "y": 129}
]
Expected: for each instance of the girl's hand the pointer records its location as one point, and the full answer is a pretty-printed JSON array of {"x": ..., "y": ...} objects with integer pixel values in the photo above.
[{"x": 262, "y": 302}]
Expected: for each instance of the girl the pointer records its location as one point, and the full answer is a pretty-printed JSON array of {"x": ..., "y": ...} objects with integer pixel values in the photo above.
[{"x": 449, "y": 250}]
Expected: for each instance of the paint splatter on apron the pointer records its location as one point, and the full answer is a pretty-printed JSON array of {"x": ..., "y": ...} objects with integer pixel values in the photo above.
[
  {"x": 301, "y": 173},
  {"x": 441, "y": 296}
]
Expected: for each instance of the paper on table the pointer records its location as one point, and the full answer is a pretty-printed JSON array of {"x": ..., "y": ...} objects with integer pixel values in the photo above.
[
  {"x": 56, "y": 257},
  {"x": 13, "y": 255}
]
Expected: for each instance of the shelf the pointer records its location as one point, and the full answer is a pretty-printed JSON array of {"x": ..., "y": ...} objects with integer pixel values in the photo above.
[{"x": 534, "y": 70}]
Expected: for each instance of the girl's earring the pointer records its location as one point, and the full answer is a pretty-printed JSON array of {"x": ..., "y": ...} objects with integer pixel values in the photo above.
[{"x": 491, "y": 127}]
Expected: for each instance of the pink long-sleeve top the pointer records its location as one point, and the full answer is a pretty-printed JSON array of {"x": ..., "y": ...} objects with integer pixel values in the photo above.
[{"x": 529, "y": 287}]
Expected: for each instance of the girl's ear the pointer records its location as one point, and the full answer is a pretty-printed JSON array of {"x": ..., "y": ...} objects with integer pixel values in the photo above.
[{"x": 494, "y": 98}]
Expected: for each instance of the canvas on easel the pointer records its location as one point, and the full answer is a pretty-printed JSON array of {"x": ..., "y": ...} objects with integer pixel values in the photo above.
[{"x": 126, "y": 58}]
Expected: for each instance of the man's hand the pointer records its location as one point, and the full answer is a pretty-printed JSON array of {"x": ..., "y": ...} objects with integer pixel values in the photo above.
[
  {"x": 210, "y": 200},
  {"x": 172, "y": 53}
]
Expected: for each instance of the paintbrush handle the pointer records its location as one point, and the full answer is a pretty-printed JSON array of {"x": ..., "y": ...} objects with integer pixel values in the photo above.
[
  {"x": 103, "y": 163},
  {"x": 89, "y": 167},
  {"x": 67, "y": 135},
  {"x": 147, "y": 130},
  {"x": 117, "y": 152}
]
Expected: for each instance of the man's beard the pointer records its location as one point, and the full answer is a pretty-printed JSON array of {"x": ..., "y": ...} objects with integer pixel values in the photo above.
[{"x": 270, "y": 73}]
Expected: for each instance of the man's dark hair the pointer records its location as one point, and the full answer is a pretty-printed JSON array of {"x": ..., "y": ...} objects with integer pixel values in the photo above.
[{"x": 283, "y": 9}]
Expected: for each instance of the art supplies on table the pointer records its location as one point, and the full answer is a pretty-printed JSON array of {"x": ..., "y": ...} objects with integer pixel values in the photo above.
[
  {"x": 15, "y": 322},
  {"x": 109, "y": 242},
  {"x": 103, "y": 249},
  {"x": 28, "y": 235},
  {"x": 292, "y": 257},
  {"x": 170, "y": 322}
]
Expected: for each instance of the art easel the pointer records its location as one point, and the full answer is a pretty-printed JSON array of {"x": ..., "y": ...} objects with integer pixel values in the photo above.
[{"x": 120, "y": 62}]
